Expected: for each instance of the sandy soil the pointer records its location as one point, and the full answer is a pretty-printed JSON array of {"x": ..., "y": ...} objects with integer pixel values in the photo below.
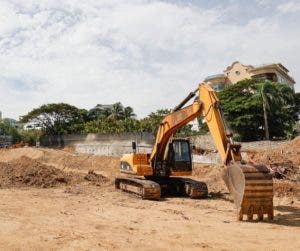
[{"x": 87, "y": 216}]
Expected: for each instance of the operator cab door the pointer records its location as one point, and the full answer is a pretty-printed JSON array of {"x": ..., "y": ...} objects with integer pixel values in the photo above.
[{"x": 179, "y": 159}]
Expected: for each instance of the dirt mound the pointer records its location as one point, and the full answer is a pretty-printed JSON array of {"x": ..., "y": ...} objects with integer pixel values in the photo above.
[
  {"x": 283, "y": 162},
  {"x": 25, "y": 171},
  {"x": 64, "y": 159},
  {"x": 95, "y": 179},
  {"x": 284, "y": 188}
]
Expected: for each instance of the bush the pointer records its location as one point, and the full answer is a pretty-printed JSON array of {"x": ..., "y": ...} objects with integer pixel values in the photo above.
[{"x": 30, "y": 137}]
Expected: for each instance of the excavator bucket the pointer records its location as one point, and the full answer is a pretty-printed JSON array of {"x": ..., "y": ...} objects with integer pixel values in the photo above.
[{"x": 251, "y": 187}]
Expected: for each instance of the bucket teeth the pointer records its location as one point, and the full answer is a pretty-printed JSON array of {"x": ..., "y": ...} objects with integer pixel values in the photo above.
[{"x": 252, "y": 190}]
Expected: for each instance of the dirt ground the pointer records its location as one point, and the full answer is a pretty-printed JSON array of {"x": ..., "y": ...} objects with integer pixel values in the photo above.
[{"x": 75, "y": 208}]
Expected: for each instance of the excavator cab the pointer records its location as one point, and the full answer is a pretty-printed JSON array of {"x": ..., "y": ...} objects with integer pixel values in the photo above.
[
  {"x": 179, "y": 156},
  {"x": 178, "y": 159}
]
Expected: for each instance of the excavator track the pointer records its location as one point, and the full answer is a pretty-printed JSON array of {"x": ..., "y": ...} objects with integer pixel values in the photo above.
[
  {"x": 145, "y": 189},
  {"x": 177, "y": 186},
  {"x": 195, "y": 189},
  {"x": 251, "y": 187}
]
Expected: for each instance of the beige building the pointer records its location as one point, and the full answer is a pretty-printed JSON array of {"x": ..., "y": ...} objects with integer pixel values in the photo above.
[{"x": 237, "y": 71}]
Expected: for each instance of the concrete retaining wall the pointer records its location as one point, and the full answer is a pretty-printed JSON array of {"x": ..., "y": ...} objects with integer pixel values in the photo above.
[
  {"x": 206, "y": 142},
  {"x": 212, "y": 158},
  {"x": 110, "y": 149},
  {"x": 119, "y": 144},
  {"x": 115, "y": 145},
  {"x": 102, "y": 144}
]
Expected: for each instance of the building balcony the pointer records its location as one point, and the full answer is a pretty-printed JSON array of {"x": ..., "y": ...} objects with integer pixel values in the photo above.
[{"x": 267, "y": 76}]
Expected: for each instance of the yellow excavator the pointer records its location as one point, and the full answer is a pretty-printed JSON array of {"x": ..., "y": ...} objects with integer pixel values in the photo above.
[{"x": 152, "y": 175}]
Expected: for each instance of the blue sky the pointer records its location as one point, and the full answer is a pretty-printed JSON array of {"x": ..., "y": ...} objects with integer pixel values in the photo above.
[{"x": 145, "y": 53}]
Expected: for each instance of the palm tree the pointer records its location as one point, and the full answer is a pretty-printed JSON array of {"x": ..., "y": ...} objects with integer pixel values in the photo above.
[
  {"x": 128, "y": 113},
  {"x": 117, "y": 111},
  {"x": 98, "y": 113},
  {"x": 262, "y": 92},
  {"x": 286, "y": 95},
  {"x": 273, "y": 94}
]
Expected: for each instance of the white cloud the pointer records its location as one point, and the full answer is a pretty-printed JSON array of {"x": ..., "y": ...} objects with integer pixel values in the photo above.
[
  {"x": 264, "y": 2},
  {"x": 147, "y": 54},
  {"x": 289, "y": 7}
]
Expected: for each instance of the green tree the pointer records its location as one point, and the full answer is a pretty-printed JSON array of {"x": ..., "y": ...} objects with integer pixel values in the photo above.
[
  {"x": 152, "y": 121},
  {"x": 275, "y": 97},
  {"x": 203, "y": 128},
  {"x": 57, "y": 119},
  {"x": 30, "y": 136},
  {"x": 246, "y": 102},
  {"x": 112, "y": 126},
  {"x": 117, "y": 111},
  {"x": 128, "y": 113},
  {"x": 267, "y": 94},
  {"x": 112, "y": 120},
  {"x": 283, "y": 111},
  {"x": 97, "y": 113},
  {"x": 242, "y": 111}
]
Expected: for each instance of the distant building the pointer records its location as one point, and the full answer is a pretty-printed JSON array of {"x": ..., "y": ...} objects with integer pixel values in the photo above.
[
  {"x": 103, "y": 107},
  {"x": 236, "y": 72},
  {"x": 31, "y": 126},
  {"x": 12, "y": 122}
]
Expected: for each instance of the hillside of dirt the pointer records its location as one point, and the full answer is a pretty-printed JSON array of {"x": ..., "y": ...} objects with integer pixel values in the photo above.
[{"x": 283, "y": 161}]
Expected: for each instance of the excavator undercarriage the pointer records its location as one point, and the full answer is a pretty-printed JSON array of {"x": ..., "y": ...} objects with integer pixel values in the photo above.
[{"x": 156, "y": 188}]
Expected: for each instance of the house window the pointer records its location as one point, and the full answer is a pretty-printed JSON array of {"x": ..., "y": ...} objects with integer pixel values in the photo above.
[{"x": 218, "y": 86}]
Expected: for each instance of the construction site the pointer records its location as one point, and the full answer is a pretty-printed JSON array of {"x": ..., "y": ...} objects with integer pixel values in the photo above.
[
  {"x": 58, "y": 199},
  {"x": 149, "y": 125}
]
